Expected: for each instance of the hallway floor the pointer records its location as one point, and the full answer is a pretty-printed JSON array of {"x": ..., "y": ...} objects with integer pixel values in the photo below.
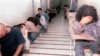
[{"x": 56, "y": 42}]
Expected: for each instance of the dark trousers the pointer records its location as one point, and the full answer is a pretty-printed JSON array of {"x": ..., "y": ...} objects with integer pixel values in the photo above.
[
  {"x": 10, "y": 53},
  {"x": 80, "y": 44}
]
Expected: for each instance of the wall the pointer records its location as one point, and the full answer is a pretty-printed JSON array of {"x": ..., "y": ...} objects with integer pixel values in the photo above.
[
  {"x": 48, "y": 3},
  {"x": 15, "y": 11},
  {"x": 65, "y": 2},
  {"x": 44, "y": 4},
  {"x": 54, "y": 3},
  {"x": 95, "y": 3},
  {"x": 36, "y": 5}
]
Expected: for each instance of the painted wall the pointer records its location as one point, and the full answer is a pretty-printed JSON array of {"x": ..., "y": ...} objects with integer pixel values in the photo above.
[
  {"x": 15, "y": 11},
  {"x": 44, "y": 4},
  {"x": 39, "y": 4},
  {"x": 54, "y": 3},
  {"x": 67, "y": 2},
  {"x": 36, "y": 5}
]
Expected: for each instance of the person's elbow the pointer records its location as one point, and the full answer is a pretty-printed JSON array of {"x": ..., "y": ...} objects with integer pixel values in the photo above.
[{"x": 76, "y": 31}]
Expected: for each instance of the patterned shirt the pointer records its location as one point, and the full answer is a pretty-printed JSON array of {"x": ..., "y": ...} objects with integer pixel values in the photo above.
[{"x": 89, "y": 28}]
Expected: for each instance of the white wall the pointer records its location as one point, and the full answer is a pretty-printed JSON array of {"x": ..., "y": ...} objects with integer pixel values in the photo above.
[
  {"x": 44, "y": 4},
  {"x": 54, "y": 3},
  {"x": 15, "y": 11},
  {"x": 48, "y": 3},
  {"x": 36, "y": 5},
  {"x": 95, "y": 3}
]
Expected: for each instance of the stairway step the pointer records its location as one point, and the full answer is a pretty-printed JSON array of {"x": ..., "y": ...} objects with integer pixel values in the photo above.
[
  {"x": 51, "y": 51},
  {"x": 62, "y": 39},
  {"x": 52, "y": 42},
  {"x": 60, "y": 47},
  {"x": 55, "y": 36}
]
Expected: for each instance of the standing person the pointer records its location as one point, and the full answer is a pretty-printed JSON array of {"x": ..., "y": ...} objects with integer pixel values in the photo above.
[
  {"x": 86, "y": 19},
  {"x": 74, "y": 5},
  {"x": 66, "y": 9},
  {"x": 11, "y": 41}
]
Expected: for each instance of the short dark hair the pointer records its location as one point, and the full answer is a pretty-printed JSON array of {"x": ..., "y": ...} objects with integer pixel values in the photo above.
[
  {"x": 40, "y": 9},
  {"x": 30, "y": 19},
  {"x": 66, "y": 6},
  {"x": 87, "y": 10}
]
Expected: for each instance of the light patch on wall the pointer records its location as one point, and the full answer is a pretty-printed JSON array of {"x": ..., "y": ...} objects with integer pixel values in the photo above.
[
  {"x": 15, "y": 11},
  {"x": 36, "y": 5}
]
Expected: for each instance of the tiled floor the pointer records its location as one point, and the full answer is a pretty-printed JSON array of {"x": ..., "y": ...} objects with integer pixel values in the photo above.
[{"x": 56, "y": 42}]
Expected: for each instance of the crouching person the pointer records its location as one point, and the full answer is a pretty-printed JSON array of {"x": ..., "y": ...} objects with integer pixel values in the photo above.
[
  {"x": 42, "y": 23},
  {"x": 24, "y": 31},
  {"x": 31, "y": 28},
  {"x": 11, "y": 41},
  {"x": 86, "y": 19}
]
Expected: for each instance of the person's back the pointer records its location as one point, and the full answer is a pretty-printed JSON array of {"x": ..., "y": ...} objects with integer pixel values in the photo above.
[
  {"x": 11, "y": 42},
  {"x": 45, "y": 15},
  {"x": 30, "y": 26}
]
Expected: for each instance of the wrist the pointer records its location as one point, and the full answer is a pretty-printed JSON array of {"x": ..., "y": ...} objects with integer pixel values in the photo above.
[{"x": 81, "y": 23}]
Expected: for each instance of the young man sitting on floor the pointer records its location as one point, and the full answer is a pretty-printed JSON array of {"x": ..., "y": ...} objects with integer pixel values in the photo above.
[{"x": 11, "y": 41}]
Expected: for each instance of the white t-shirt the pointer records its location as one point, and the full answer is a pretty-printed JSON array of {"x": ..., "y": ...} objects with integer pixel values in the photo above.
[{"x": 43, "y": 20}]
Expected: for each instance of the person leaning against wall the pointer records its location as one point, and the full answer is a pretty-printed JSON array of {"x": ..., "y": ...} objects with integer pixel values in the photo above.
[
  {"x": 86, "y": 22},
  {"x": 11, "y": 41}
]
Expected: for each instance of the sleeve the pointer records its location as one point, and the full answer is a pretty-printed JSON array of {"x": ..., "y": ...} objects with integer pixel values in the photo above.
[
  {"x": 98, "y": 31},
  {"x": 77, "y": 28},
  {"x": 47, "y": 16},
  {"x": 19, "y": 37}
]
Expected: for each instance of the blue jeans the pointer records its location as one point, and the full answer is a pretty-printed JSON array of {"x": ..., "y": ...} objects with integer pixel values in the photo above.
[
  {"x": 32, "y": 36},
  {"x": 44, "y": 28}
]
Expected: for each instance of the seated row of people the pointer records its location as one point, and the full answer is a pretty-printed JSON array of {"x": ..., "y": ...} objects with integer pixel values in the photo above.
[
  {"x": 52, "y": 13},
  {"x": 14, "y": 41},
  {"x": 31, "y": 29}
]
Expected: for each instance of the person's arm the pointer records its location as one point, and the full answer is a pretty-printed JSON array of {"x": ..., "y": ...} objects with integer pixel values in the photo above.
[
  {"x": 20, "y": 41},
  {"x": 0, "y": 50},
  {"x": 77, "y": 28},
  {"x": 19, "y": 48}
]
